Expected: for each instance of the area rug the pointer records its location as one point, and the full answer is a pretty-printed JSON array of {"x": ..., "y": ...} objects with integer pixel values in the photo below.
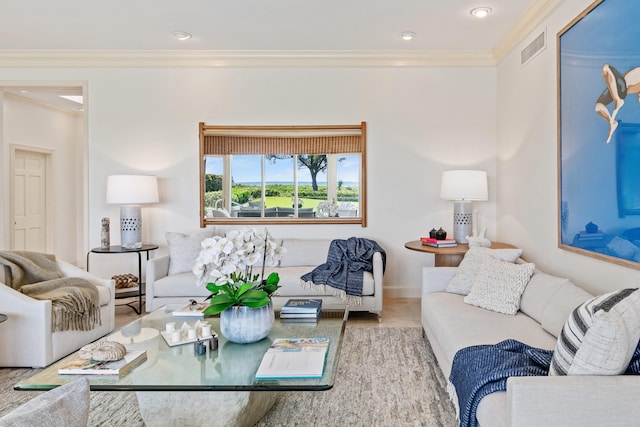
[{"x": 386, "y": 377}]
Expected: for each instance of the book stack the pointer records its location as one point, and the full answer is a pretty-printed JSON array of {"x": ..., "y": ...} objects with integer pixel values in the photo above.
[
  {"x": 294, "y": 358},
  {"x": 438, "y": 243},
  {"x": 301, "y": 310},
  {"x": 78, "y": 366}
]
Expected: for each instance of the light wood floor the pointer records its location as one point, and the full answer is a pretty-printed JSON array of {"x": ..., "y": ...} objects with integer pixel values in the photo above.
[{"x": 397, "y": 312}]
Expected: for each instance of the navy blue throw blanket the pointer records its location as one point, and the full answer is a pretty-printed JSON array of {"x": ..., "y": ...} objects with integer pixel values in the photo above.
[
  {"x": 483, "y": 369},
  {"x": 347, "y": 261}
]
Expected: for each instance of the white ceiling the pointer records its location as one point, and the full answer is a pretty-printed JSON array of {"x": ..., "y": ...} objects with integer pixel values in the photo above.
[
  {"x": 254, "y": 24},
  {"x": 41, "y": 28}
]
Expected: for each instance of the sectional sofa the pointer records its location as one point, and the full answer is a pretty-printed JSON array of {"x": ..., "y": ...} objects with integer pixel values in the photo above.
[{"x": 450, "y": 324}]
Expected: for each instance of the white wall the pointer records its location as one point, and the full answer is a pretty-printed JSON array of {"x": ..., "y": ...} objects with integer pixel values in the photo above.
[
  {"x": 33, "y": 126},
  {"x": 419, "y": 121},
  {"x": 527, "y": 163}
]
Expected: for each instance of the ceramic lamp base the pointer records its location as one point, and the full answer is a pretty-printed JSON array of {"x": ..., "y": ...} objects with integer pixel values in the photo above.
[
  {"x": 462, "y": 220},
  {"x": 131, "y": 226}
]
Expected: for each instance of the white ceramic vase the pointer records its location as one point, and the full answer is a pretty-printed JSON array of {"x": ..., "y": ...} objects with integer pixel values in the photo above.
[{"x": 244, "y": 325}]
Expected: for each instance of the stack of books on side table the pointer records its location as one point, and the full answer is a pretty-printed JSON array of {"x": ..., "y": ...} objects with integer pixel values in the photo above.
[
  {"x": 301, "y": 310},
  {"x": 438, "y": 243}
]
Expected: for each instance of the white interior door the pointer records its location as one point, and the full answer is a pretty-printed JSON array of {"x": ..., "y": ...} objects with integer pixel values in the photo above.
[{"x": 29, "y": 231}]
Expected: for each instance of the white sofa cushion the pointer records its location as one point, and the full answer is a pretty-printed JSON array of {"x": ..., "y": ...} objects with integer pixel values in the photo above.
[
  {"x": 600, "y": 336},
  {"x": 304, "y": 252},
  {"x": 470, "y": 266},
  {"x": 184, "y": 249},
  {"x": 557, "y": 311},
  {"x": 458, "y": 325},
  {"x": 499, "y": 285},
  {"x": 179, "y": 285},
  {"x": 539, "y": 291}
]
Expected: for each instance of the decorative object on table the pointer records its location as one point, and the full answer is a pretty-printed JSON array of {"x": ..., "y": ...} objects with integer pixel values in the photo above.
[
  {"x": 105, "y": 237},
  {"x": 125, "y": 280},
  {"x": 591, "y": 228},
  {"x": 441, "y": 234},
  {"x": 187, "y": 334},
  {"x": 463, "y": 186},
  {"x": 102, "y": 351},
  {"x": 242, "y": 298},
  {"x": 432, "y": 233},
  {"x": 476, "y": 239},
  {"x": 131, "y": 191},
  {"x": 192, "y": 309}
]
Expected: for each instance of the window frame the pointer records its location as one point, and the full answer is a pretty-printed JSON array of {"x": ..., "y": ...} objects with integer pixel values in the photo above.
[{"x": 326, "y": 132}]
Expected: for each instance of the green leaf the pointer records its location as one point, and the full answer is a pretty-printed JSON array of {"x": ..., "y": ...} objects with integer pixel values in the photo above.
[
  {"x": 217, "y": 308},
  {"x": 244, "y": 288},
  {"x": 273, "y": 279},
  {"x": 259, "y": 303}
]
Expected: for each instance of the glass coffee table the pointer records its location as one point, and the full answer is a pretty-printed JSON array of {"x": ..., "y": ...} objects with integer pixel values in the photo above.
[{"x": 177, "y": 386}]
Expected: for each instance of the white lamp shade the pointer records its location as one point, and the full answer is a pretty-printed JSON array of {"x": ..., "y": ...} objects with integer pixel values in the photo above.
[
  {"x": 132, "y": 189},
  {"x": 464, "y": 185}
]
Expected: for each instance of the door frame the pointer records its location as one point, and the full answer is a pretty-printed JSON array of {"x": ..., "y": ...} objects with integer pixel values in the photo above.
[{"x": 49, "y": 196}]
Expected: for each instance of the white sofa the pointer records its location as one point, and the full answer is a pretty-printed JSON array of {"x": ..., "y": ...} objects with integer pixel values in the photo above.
[
  {"x": 451, "y": 324},
  {"x": 27, "y": 338},
  {"x": 302, "y": 256}
]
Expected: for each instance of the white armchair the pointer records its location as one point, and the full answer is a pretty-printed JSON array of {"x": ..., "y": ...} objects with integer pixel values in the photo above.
[{"x": 27, "y": 338}]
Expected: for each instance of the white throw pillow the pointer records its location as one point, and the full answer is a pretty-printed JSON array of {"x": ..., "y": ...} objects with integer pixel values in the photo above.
[
  {"x": 470, "y": 265},
  {"x": 499, "y": 285},
  {"x": 184, "y": 249},
  {"x": 600, "y": 336}
]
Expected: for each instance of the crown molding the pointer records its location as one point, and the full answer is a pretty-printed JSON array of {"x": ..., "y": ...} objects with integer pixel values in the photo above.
[
  {"x": 530, "y": 19},
  {"x": 186, "y": 59}
]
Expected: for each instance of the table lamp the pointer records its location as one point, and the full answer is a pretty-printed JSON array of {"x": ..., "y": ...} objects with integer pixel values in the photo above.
[
  {"x": 131, "y": 191},
  {"x": 463, "y": 186}
]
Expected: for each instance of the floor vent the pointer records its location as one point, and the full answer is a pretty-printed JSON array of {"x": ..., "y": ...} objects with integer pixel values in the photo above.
[{"x": 535, "y": 47}]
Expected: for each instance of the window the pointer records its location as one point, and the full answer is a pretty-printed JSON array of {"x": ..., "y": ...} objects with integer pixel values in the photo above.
[{"x": 283, "y": 174}]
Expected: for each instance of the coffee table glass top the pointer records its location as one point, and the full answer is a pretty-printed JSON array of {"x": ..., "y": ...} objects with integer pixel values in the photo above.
[{"x": 178, "y": 368}]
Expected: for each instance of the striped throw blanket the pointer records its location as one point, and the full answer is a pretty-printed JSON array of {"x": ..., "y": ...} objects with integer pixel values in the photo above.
[
  {"x": 480, "y": 370},
  {"x": 342, "y": 274}
]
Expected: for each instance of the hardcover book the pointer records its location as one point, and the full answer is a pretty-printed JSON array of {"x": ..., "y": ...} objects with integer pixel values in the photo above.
[
  {"x": 301, "y": 306},
  {"x": 191, "y": 310},
  {"x": 294, "y": 358},
  {"x": 114, "y": 367}
]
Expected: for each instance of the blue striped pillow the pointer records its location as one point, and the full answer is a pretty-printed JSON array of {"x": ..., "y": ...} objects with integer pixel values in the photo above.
[{"x": 600, "y": 336}]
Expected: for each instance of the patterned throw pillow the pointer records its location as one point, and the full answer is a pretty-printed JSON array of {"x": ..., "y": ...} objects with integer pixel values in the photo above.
[
  {"x": 600, "y": 336},
  {"x": 184, "y": 249},
  {"x": 470, "y": 265},
  {"x": 499, "y": 285}
]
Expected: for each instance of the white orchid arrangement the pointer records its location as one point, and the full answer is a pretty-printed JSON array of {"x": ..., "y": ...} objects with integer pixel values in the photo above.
[{"x": 225, "y": 266}]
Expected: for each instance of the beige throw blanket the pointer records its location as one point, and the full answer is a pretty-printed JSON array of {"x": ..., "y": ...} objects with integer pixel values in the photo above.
[{"x": 74, "y": 301}]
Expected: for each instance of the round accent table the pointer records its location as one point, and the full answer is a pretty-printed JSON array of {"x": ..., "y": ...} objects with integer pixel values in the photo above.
[
  {"x": 128, "y": 292},
  {"x": 449, "y": 257}
]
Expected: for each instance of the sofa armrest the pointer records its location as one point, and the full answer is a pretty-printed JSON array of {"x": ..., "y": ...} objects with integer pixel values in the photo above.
[
  {"x": 378, "y": 275},
  {"x": 574, "y": 400},
  {"x": 157, "y": 268},
  {"x": 435, "y": 279},
  {"x": 70, "y": 270}
]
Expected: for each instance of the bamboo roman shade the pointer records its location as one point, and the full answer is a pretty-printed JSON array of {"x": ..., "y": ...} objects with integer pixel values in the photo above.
[{"x": 218, "y": 140}]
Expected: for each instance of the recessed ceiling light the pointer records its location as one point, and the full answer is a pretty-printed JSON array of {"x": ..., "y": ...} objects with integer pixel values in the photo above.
[
  {"x": 408, "y": 35},
  {"x": 181, "y": 35},
  {"x": 480, "y": 12}
]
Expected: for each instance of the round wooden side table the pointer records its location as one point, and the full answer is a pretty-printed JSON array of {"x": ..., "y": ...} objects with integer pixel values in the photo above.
[{"x": 449, "y": 257}]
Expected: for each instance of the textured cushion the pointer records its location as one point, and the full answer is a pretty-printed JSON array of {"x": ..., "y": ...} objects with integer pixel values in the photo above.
[
  {"x": 67, "y": 405},
  {"x": 470, "y": 265},
  {"x": 600, "y": 336},
  {"x": 539, "y": 291},
  {"x": 184, "y": 249},
  {"x": 499, "y": 285}
]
